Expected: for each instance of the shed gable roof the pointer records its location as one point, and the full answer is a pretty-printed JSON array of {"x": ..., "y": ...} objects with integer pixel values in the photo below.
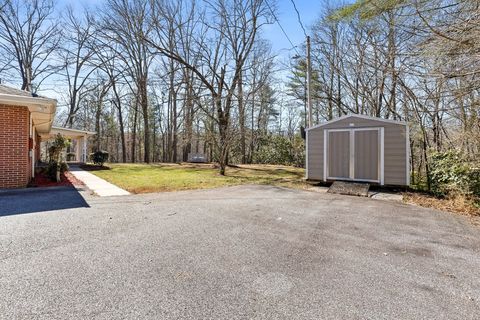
[{"x": 360, "y": 116}]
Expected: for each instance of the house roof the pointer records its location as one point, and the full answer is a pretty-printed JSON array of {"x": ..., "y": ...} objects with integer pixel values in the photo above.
[
  {"x": 42, "y": 109},
  {"x": 361, "y": 116},
  {"x": 17, "y": 92}
]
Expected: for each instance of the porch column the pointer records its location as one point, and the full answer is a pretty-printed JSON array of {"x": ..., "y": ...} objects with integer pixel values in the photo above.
[
  {"x": 78, "y": 150},
  {"x": 84, "y": 140}
]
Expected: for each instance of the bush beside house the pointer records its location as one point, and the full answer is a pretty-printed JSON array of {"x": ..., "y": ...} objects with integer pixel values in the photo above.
[{"x": 57, "y": 164}]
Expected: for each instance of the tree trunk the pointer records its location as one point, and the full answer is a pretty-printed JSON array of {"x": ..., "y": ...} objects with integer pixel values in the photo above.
[
  {"x": 188, "y": 121},
  {"x": 174, "y": 129},
  {"x": 134, "y": 131},
  {"x": 118, "y": 104},
  {"x": 241, "y": 115},
  {"x": 59, "y": 159},
  {"x": 97, "y": 126},
  {"x": 146, "y": 123},
  {"x": 222, "y": 130}
]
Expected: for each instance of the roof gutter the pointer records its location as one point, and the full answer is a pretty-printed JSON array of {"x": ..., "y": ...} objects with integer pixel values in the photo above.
[{"x": 41, "y": 109}]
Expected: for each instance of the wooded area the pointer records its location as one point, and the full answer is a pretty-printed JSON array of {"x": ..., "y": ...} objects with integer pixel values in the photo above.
[{"x": 160, "y": 79}]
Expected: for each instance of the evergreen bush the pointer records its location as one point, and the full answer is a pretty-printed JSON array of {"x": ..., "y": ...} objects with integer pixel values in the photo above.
[
  {"x": 99, "y": 157},
  {"x": 451, "y": 173}
]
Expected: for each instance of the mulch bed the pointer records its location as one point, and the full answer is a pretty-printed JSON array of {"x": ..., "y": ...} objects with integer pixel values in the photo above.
[
  {"x": 67, "y": 179},
  {"x": 91, "y": 167}
]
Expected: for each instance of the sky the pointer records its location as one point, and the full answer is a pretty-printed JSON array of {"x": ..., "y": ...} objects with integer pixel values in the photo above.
[{"x": 309, "y": 10}]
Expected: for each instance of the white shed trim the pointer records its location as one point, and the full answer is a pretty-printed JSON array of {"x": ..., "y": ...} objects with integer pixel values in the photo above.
[
  {"x": 325, "y": 141},
  {"x": 381, "y": 142},
  {"x": 382, "y": 156},
  {"x": 407, "y": 153},
  {"x": 352, "y": 153},
  {"x": 306, "y": 155}
]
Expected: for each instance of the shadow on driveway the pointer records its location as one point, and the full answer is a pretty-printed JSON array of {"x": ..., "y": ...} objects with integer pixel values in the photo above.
[{"x": 40, "y": 199}]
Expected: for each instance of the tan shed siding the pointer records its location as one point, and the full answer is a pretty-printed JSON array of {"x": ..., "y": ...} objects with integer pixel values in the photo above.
[
  {"x": 315, "y": 155},
  {"x": 395, "y": 153}
]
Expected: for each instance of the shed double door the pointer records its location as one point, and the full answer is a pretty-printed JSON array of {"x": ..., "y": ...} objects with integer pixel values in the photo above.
[{"x": 354, "y": 154}]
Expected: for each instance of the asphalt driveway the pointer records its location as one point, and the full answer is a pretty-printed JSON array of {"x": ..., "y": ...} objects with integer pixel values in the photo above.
[
  {"x": 30, "y": 200},
  {"x": 249, "y": 252}
]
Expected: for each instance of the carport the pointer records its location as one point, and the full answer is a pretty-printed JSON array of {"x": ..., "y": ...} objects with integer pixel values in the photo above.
[{"x": 359, "y": 148}]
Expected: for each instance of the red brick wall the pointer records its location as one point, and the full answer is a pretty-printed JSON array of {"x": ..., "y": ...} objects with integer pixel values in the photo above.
[{"x": 14, "y": 157}]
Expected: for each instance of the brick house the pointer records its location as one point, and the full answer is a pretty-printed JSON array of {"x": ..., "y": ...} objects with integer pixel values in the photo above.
[{"x": 25, "y": 119}]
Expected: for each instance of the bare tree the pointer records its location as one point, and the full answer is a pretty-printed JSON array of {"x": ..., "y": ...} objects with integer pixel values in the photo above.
[
  {"x": 236, "y": 25},
  {"x": 29, "y": 35},
  {"x": 77, "y": 52},
  {"x": 126, "y": 23}
]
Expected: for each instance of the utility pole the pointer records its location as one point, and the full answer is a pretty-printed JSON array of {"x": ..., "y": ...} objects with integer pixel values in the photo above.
[{"x": 309, "y": 84}]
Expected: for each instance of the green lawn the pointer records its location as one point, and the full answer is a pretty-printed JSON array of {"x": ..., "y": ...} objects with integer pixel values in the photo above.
[{"x": 142, "y": 178}]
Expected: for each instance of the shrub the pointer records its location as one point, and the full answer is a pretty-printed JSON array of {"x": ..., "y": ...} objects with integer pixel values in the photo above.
[
  {"x": 474, "y": 181},
  {"x": 55, "y": 153},
  {"x": 451, "y": 173},
  {"x": 52, "y": 169},
  {"x": 99, "y": 157}
]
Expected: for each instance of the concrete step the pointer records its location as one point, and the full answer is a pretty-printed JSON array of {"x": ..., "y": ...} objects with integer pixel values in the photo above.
[{"x": 350, "y": 188}]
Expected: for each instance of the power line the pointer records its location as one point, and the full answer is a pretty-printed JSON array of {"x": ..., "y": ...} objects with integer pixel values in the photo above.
[
  {"x": 298, "y": 18},
  {"x": 281, "y": 27}
]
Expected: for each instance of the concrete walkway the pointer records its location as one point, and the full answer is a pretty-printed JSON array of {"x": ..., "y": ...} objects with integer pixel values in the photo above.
[{"x": 99, "y": 186}]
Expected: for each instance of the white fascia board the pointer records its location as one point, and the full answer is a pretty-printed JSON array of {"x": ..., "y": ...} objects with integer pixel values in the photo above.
[
  {"x": 68, "y": 130},
  {"x": 42, "y": 110},
  {"x": 27, "y": 101}
]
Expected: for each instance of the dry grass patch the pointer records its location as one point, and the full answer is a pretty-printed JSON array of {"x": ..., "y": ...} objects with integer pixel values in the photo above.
[{"x": 458, "y": 204}]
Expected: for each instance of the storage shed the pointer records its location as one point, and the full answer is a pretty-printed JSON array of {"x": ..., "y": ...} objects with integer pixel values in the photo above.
[{"x": 359, "y": 148}]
